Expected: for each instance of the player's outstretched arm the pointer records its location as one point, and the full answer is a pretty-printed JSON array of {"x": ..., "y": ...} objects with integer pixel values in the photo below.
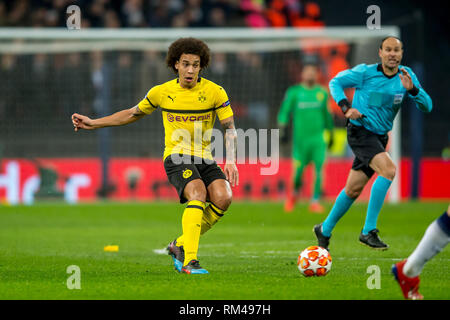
[
  {"x": 116, "y": 119},
  {"x": 230, "y": 168}
]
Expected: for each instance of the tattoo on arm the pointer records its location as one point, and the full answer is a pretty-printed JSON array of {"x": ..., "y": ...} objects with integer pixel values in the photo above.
[
  {"x": 137, "y": 113},
  {"x": 230, "y": 140}
]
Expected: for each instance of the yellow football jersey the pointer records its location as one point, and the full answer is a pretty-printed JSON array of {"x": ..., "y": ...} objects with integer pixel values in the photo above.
[{"x": 188, "y": 115}]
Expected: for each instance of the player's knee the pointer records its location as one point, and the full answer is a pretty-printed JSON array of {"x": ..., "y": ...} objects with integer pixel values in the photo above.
[
  {"x": 389, "y": 172},
  {"x": 221, "y": 197},
  {"x": 353, "y": 191},
  {"x": 195, "y": 190},
  {"x": 225, "y": 202}
]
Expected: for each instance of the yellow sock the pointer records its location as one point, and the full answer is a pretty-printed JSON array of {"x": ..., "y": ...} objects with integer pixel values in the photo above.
[
  {"x": 211, "y": 215},
  {"x": 191, "y": 222},
  {"x": 180, "y": 241}
]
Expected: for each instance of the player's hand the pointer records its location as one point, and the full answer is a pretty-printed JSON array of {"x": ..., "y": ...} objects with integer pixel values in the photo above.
[
  {"x": 82, "y": 122},
  {"x": 231, "y": 173},
  {"x": 406, "y": 79},
  {"x": 353, "y": 114},
  {"x": 284, "y": 138}
]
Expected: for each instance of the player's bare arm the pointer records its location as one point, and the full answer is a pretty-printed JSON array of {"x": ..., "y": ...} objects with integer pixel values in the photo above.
[
  {"x": 116, "y": 119},
  {"x": 230, "y": 168}
]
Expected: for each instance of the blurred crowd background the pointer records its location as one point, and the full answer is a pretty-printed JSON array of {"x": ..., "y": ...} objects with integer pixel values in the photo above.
[
  {"x": 162, "y": 13},
  {"x": 74, "y": 82}
]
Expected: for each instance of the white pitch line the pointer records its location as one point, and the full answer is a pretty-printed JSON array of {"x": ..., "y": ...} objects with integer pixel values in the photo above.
[
  {"x": 213, "y": 245},
  {"x": 160, "y": 251},
  {"x": 266, "y": 243},
  {"x": 278, "y": 253},
  {"x": 217, "y": 245}
]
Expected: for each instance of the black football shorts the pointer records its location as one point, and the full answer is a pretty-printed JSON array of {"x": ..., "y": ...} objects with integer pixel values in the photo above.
[
  {"x": 192, "y": 168},
  {"x": 365, "y": 145}
]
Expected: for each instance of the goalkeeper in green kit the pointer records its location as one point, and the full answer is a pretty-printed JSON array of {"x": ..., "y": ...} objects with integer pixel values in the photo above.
[{"x": 307, "y": 105}]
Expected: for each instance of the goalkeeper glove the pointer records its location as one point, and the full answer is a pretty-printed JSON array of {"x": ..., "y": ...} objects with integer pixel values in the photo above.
[
  {"x": 284, "y": 138},
  {"x": 331, "y": 140}
]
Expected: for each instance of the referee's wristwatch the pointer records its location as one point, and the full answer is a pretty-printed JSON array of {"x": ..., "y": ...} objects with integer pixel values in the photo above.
[
  {"x": 344, "y": 105},
  {"x": 414, "y": 91}
]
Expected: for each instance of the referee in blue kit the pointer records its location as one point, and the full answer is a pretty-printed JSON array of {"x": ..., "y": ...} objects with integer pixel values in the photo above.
[{"x": 379, "y": 92}]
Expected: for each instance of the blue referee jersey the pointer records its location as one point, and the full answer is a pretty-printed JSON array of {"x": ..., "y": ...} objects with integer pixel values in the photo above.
[{"x": 377, "y": 96}]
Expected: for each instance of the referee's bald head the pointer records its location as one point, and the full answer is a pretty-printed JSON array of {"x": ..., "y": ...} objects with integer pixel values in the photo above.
[{"x": 390, "y": 37}]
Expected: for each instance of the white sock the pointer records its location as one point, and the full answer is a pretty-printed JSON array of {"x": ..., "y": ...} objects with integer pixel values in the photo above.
[{"x": 433, "y": 241}]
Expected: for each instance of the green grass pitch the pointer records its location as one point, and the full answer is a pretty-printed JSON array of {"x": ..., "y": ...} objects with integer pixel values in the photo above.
[{"x": 251, "y": 254}]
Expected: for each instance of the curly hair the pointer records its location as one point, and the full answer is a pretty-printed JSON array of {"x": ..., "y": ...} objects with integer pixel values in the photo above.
[{"x": 188, "y": 46}]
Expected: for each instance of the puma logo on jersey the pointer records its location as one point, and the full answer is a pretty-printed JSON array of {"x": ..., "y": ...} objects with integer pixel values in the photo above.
[{"x": 171, "y": 98}]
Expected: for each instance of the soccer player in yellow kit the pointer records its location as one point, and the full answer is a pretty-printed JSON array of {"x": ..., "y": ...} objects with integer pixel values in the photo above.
[{"x": 189, "y": 106}]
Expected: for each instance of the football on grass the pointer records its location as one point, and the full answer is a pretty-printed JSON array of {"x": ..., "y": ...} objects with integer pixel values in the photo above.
[{"x": 314, "y": 261}]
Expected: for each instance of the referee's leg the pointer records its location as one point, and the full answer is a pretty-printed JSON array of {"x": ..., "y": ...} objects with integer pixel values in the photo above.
[
  {"x": 383, "y": 165},
  {"x": 356, "y": 181}
]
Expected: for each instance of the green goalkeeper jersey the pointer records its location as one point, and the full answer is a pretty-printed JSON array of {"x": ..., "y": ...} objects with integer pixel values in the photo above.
[{"x": 308, "y": 108}]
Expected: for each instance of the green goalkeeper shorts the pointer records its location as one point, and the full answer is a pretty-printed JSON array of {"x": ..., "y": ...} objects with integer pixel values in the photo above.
[{"x": 310, "y": 150}]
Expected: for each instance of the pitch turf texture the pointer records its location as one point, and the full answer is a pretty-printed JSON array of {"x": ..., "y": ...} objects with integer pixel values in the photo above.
[{"x": 250, "y": 254}]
